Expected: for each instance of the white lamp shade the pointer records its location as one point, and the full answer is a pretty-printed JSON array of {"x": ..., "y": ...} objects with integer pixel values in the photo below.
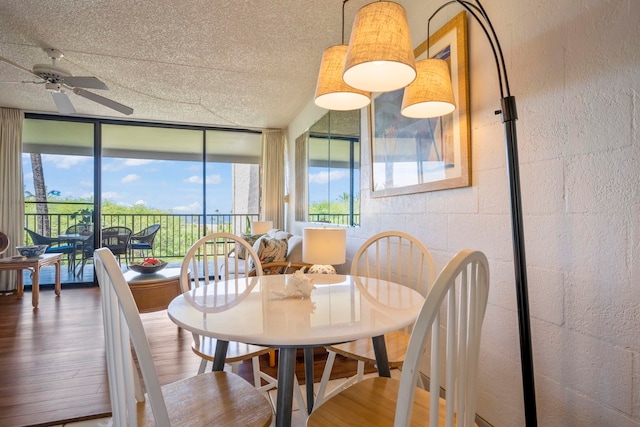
[
  {"x": 324, "y": 246},
  {"x": 332, "y": 92},
  {"x": 261, "y": 227},
  {"x": 380, "y": 56},
  {"x": 430, "y": 94}
]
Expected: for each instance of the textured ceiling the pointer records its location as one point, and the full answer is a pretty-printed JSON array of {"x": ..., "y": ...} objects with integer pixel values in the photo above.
[{"x": 232, "y": 63}]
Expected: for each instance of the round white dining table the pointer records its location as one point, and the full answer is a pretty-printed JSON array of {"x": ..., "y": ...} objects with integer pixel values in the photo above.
[{"x": 252, "y": 310}]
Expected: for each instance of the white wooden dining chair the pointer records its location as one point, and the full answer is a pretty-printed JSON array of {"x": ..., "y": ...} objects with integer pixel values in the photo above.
[
  {"x": 449, "y": 328},
  {"x": 204, "y": 264},
  {"x": 222, "y": 398},
  {"x": 392, "y": 256}
]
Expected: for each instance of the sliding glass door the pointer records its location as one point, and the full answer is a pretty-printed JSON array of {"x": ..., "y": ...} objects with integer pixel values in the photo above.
[{"x": 186, "y": 181}]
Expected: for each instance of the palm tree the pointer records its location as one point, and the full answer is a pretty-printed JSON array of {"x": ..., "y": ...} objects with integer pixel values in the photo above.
[{"x": 42, "y": 209}]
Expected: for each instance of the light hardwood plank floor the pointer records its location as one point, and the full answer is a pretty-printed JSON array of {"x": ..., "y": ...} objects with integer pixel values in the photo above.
[{"x": 52, "y": 366}]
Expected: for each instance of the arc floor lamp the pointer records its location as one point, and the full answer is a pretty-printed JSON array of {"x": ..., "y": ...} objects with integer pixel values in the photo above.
[
  {"x": 509, "y": 115},
  {"x": 380, "y": 58}
]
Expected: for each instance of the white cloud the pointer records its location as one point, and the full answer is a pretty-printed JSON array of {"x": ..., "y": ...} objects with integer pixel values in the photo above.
[
  {"x": 214, "y": 179},
  {"x": 324, "y": 177},
  {"x": 110, "y": 195},
  {"x": 192, "y": 208},
  {"x": 64, "y": 162},
  {"x": 88, "y": 195},
  {"x": 87, "y": 184},
  {"x": 110, "y": 167},
  {"x": 132, "y": 177},
  {"x": 140, "y": 202},
  {"x": 211, "y": 179},
  {"x": 114, "y": 165}
]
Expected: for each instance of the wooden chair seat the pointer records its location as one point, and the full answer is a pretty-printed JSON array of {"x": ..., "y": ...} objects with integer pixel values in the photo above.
[
  {"x": 354, "y": 406},
  {"x": 214, "y": 398},
  {"x": 362, "y": 350}
]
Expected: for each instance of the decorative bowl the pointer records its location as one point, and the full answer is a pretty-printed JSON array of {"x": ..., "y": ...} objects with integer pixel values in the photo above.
[
  {"x": 31, "y": 251},
  {"x": 144, "y": 268}
]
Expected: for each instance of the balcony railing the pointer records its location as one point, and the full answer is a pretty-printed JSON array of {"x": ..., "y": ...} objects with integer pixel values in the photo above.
[
  {"x": 177, "y": 231},
  {"x": 338, "y": 219},
  {"x": 176, "y": 234}
]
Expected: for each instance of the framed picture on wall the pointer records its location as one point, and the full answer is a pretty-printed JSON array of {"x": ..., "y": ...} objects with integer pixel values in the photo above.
[{"x": 418, "y": 155}]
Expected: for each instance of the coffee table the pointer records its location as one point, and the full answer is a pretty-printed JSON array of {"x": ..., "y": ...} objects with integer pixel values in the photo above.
[{"x": 34, "y": 265}]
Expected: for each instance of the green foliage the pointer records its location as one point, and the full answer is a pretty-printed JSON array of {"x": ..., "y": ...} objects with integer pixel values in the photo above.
[{"x": 83, "y": 216}]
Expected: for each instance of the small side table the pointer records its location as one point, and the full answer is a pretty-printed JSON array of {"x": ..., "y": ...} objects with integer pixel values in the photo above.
[
  {"x": 153, "y": 292},
  {"x": 34, "y": 264}
]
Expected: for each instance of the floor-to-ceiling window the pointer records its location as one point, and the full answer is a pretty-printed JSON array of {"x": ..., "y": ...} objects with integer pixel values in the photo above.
[
  {"x": 58, "y": 170},
  {"x": 232, "y": 174},
  {"x": 189, "y": 179}
]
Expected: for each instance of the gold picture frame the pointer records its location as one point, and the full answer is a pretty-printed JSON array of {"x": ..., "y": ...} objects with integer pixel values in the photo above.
[{"x": 418, "y": 155}]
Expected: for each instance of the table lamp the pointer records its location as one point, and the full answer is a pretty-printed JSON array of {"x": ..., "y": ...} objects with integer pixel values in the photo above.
[
  {"x": 261, "y": 227},
  {"x": 324, "y": 247}
]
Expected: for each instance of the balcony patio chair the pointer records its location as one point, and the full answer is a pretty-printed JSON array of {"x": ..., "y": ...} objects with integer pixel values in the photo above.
[
  {"x": 201, "y": 266},
  {"x": 56, "y": 246},
  {"x": 392, "y": 256},
  {"x": 449, "y": 327},
  {"x": 143, "y": 240},
  {"x": 79, "y": 229},
  {"x": 117, "y": 240},
  {"x": 214, "y": 398},
  {"x": 85, "y": 249}
]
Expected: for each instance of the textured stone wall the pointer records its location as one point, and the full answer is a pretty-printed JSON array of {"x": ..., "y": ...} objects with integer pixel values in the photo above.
[{"x": 574, "y": 67}]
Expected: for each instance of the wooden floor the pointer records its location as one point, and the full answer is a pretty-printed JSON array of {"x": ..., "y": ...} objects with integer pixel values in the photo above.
[{"x": 52, "y": 366}]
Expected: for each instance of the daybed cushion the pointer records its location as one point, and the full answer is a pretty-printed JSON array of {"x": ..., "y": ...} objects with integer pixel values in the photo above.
[{"x": 294, "y": 249}]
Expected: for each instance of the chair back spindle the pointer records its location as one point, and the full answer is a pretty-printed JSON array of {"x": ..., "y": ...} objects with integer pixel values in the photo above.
[{"x": 459, "y": 296}]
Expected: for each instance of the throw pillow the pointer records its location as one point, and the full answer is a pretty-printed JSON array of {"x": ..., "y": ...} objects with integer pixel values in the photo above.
[
  {"x": 241, "y": 252},
  {"x": 271, "y": 250}
]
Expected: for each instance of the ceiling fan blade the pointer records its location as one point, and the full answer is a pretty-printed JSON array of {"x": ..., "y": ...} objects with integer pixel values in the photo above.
[
  {"x": 20, "y": 67},
  {"x": 104, "y": 101},
  {"x": 63, "y": 103},
  {"x": 14, "y": 64},
  {"x": 85, "y": 82}
]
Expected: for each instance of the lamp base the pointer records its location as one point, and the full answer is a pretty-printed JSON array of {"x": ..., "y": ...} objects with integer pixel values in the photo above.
[{"x": 321, "y": 269}]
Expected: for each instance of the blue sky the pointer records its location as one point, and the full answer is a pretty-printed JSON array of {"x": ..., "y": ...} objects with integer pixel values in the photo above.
[{"x": 174, "y": 186}]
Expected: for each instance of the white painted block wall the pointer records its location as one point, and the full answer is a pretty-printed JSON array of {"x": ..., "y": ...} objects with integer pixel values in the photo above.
[{"x": 574, "y": 67}]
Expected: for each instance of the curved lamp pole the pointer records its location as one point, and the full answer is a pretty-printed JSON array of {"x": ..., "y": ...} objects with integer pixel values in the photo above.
[{"x": 509, "y": 117}]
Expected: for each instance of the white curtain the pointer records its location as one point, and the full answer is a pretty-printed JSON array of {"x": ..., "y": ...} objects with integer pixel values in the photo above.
[
  {"x": 301, "y": 203},
  {"x": 273, "y": 143},
  {"x": 11, "y": 188}
]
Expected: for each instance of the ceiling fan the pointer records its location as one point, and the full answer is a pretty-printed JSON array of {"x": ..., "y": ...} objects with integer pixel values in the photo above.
[{"x": 58, "y": 80}]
